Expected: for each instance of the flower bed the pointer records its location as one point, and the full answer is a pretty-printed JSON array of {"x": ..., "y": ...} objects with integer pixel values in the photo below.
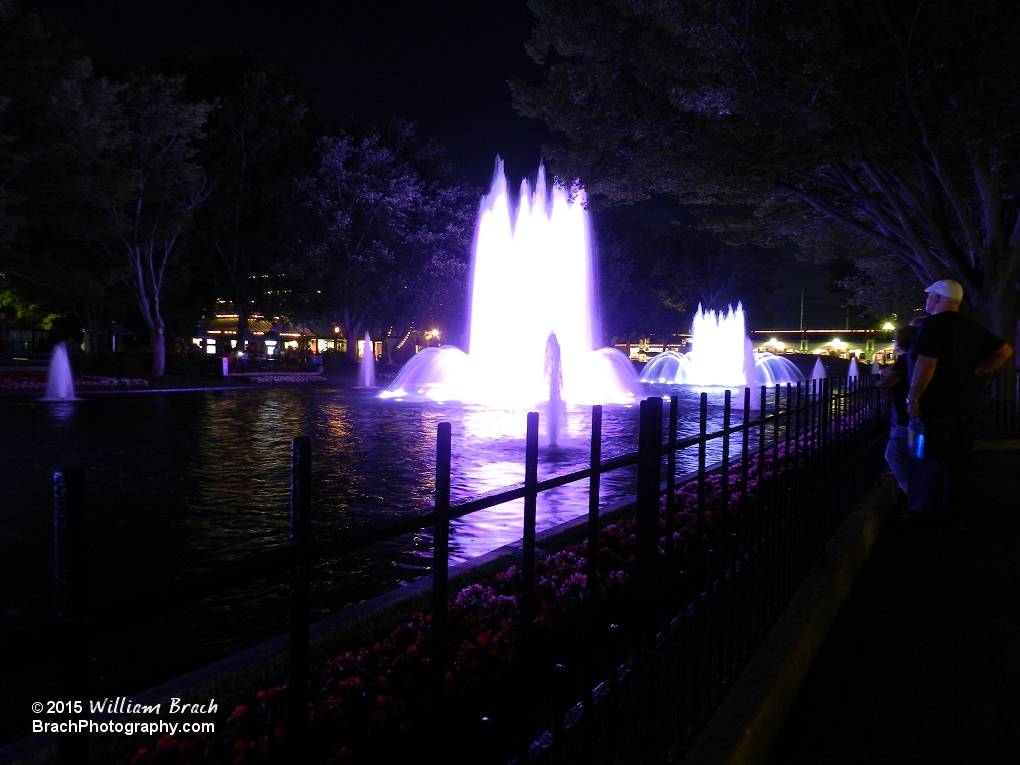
[
  {"x": 37, "y": 380},
  {"x": 366, "y": 702}
]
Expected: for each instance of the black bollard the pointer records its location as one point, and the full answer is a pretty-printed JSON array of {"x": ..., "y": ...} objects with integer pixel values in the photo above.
[
  {"x": 300, "y": 536},
  {"x": 527, "y": 607},
  {"x": 646, "y": 552},
  {"x": 441, "y": 554},
  {"x": 71, "y": 591},
  {"x": 592, "y": 568}
]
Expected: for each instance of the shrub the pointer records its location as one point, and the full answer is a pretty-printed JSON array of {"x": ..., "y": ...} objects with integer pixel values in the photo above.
[
  {"x": 182, "y": 364},
  {"x": 128, "y": 363},
  {"x": 334, "y": 360}
]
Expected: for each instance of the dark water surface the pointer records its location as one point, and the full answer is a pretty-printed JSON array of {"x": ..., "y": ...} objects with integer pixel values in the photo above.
[{"x": 180, "y": 482}]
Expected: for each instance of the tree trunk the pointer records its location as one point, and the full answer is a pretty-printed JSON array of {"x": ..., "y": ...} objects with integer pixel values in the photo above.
[
  {"x": 352, "y": 327},
  {"x": 996, "y": 307},
  {"x": 242, "y": 325},
  {"x": 158, "y": 352}
]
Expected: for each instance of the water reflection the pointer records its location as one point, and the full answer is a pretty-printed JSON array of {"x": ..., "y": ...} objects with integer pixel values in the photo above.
[
  {"x": 181, "y": 482},
  {"x": 60, "y": 412}
]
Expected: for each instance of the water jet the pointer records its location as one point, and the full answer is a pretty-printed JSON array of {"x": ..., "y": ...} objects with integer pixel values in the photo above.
[
  {"x": 533, "y": 275},
  {"x": 59, "y": 380},
  {"x": 721, "y": 356},
  {"x": 366, "y": 370}
]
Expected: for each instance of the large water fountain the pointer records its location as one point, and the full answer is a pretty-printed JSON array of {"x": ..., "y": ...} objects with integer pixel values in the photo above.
[
  {"x": 721, "y": 355},
  {"x": 533, "y": 277}
]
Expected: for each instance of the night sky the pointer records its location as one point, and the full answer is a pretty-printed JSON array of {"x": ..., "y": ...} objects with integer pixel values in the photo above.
[{"x": 442, "y": 63}]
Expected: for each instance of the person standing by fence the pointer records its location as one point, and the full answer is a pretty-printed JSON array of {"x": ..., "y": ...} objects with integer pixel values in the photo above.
[
  {"x": 949, "y": 354},
  {"x": 895, "y": 380}
]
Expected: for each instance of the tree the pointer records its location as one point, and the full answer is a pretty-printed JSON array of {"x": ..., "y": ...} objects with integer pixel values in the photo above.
[
  {"x": 252, "y": 148},
  {"x": 56, "y": 117},
  {"x": 894, "y": 119},
  {"x": 154, "y": 187},
  {"x": 35, "y": 130},
  {"x": 99, "y": 178},
  {"x": 678, "y": 269},
  {"x": 22, "y": 307},
  {"x": 388, "y": 233}
]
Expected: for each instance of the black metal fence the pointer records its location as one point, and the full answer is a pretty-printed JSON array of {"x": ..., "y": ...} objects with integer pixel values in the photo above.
[
  {"x": 704, "y": 609},
  {"x": 1000, "y": 406},
  {"x": 717, "y": 556}
]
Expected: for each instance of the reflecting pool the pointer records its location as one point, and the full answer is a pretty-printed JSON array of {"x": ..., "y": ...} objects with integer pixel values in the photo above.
[{"x": 180, "y": 482}]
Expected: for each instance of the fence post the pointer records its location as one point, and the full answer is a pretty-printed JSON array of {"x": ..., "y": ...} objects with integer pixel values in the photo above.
[
  {"x": 592, "y": 567},
  {"x": 647, "y": 573},
  {"x": 672, "y": 574},
  {"x": 825, "y": 440},
  {"x": 595, "y": 464},
  {"x": 701, "y": 553},
  {"x": 528, "y": 563},
  {"x": 789, "y": 506},
  {"x": 300, "y": 536},
  {"x": 441, "y": 553},
  {"x": 727, "y": 544},
  {"x": 71, "y": 594},
  {"x": 746, "y": 543},
  {"x": 530, "y": 518},
  {"x": 646, "y": 543},
  {"x": 760, "y": 531}
]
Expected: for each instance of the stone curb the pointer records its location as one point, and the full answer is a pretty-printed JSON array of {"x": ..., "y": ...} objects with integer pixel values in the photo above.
[{"x": 750, "y": 717}]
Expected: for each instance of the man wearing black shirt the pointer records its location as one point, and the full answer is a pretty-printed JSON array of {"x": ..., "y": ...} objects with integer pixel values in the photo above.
[{"x": 949, "y": 354}]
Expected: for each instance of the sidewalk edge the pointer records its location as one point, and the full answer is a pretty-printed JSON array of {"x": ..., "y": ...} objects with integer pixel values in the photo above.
[{"x": 750, "y": 717}]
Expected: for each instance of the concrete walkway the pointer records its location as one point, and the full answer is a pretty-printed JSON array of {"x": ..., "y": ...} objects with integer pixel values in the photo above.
[{"x": 922, "y": 664}]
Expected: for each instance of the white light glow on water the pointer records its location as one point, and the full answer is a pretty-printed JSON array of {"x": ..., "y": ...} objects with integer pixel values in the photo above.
[{"x": 532, "y": 276}]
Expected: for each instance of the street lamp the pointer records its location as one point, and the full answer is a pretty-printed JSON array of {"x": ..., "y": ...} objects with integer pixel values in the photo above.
[{"x": 271, "y": 338}]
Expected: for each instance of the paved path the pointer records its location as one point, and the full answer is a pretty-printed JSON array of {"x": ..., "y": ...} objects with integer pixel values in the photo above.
[{"x": 923, "y": 662}]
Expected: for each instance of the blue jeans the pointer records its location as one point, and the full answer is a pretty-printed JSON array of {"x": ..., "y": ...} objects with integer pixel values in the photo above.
[
  {"x": 896, "y": 455},
  {"x": 938, "y": 481}
]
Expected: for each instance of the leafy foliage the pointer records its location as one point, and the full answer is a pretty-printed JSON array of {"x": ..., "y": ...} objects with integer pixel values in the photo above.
[
  {"x": 388, "y": 233},
  {"x": 252, "y": 147},
  {"x": 54, "y": 120},
  {"x": 156, "y": 186},
  {"x": 879, "y": 117},
  {"x": 666, "y": 275}
]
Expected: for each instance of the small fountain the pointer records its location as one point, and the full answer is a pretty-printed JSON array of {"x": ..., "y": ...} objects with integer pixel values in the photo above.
[
  {"x": 366, "y": 371},
  {"x": 818, "y": 371},
  {"x": 722, "y": 355},
  {"x": 555, "y": 411},
  {"x": 852, "y": 370},
  {"x": 59, "y": 381}
]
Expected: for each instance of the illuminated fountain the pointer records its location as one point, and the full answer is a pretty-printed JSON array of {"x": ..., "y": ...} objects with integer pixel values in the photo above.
[
  {"x": 722, "y": 356},
  {"x": 818, "y": 370},
  {"x": 533, "y": 276},
  {"x": 366, "y": 370},
  {"x": 59, "y": 382}
]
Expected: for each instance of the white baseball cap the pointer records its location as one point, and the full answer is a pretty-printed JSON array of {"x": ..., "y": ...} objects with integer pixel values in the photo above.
[{"x": 948, "y": 288}]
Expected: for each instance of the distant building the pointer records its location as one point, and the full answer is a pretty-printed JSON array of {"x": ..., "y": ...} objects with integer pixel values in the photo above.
[{"x": 866, "y": 345}]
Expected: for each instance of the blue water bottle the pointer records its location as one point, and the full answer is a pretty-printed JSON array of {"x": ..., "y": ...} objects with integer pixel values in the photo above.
[{"x": 915, "y": 438}]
